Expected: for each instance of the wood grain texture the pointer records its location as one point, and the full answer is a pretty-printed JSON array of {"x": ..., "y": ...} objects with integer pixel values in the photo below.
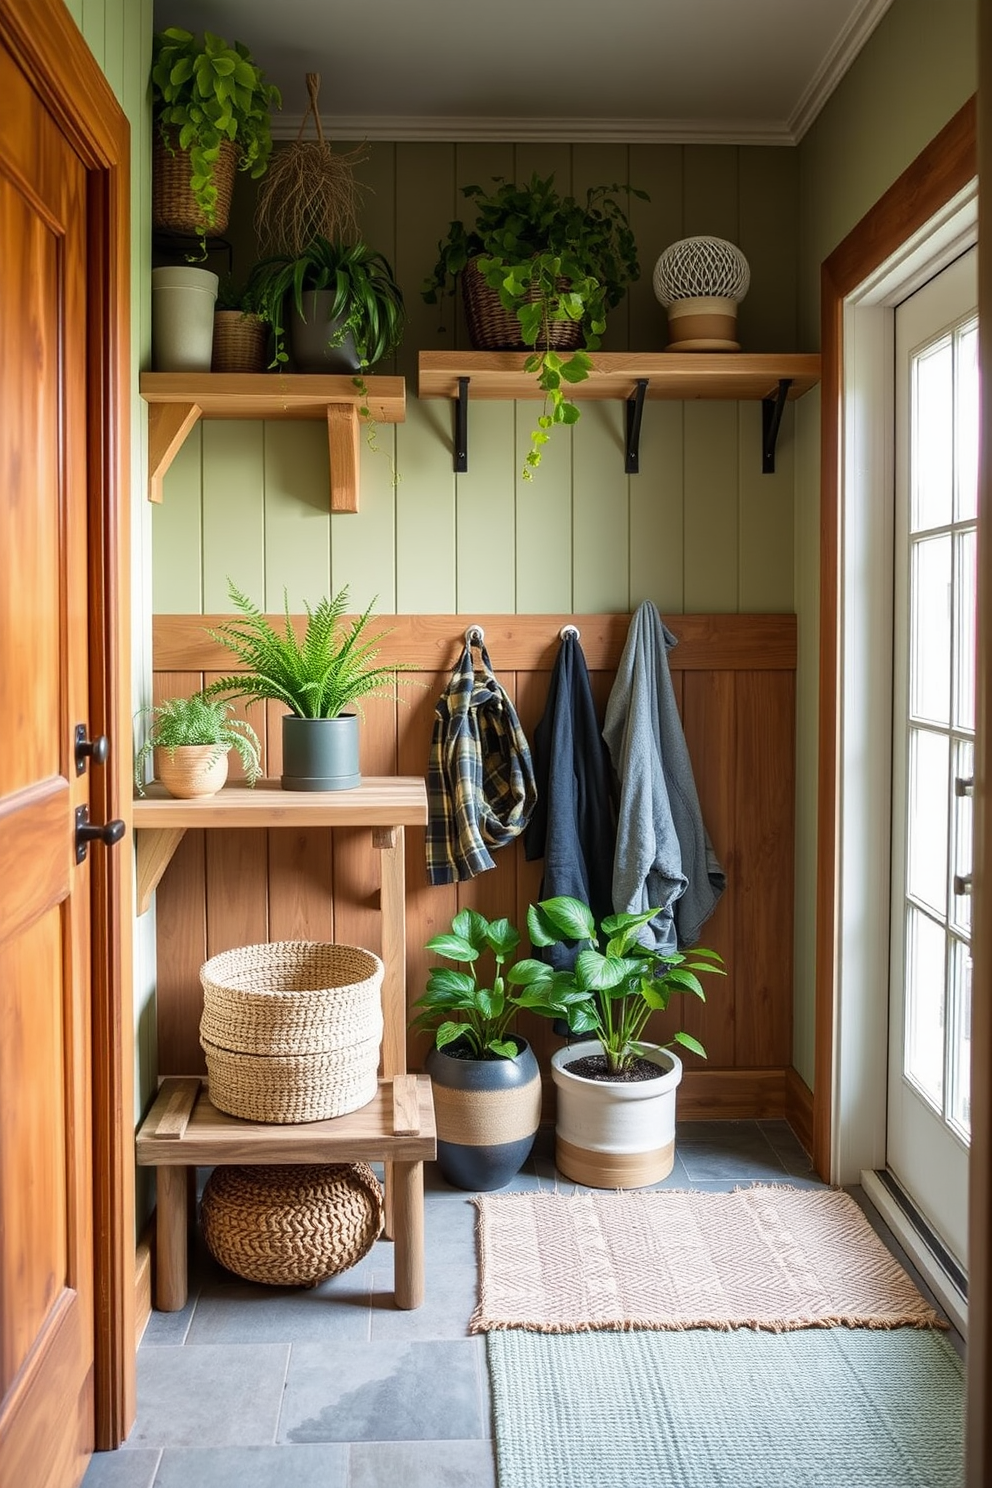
[{"x": 685, "y": 376}]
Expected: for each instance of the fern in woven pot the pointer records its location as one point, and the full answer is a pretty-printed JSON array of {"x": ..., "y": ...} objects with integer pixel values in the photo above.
[
  {"x": 189, "y": 739},
  {"x": 321, "y": 678}
]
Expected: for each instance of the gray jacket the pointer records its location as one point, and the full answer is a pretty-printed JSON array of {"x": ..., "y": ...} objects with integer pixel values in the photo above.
[{"x": 664, "y": 856}]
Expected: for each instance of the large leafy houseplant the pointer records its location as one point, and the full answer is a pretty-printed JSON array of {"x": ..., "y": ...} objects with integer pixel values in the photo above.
[
  {"x": 206, "y": 93},
  {"x": 333, "y": 667},
  {"x": 551, "y": 259},
  {"x": 364, "y": 298},
  {"x": 197, "y": 722},
  {"x": 464, "y": 1008},
  {"x": 617, "y": 981}
]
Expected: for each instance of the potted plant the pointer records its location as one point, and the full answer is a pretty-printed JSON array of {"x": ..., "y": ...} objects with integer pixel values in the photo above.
[
  {"x": 343, "y": 306},
  {"x": 190, "y": 739},
  {"x": 211, "y": 106},
  {"x": 487, "y": 1086},
  {"x": 615, "y": 1126},
  {"x": 239, "y": 331},
  {"x": 321, "y": 679},
  {"x": 540, "y": 271}
]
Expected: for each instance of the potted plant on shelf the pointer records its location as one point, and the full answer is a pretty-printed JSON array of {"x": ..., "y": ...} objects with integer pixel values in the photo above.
[
  {"x": 321, "y": 679},
  {"x": 340, "y": 302},
  {"x": 615, "y": 1126},
  {"x": 190, "y": 739},
  {"x": 239, "y": 331},
  {"x": 539, "y": 272},
  {"x": 211, "y": 108},
  {"x": 487, "y": 1086}
]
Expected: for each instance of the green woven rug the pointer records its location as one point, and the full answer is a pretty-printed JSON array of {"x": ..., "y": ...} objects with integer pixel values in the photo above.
[{"x": 820, "y": 1408}]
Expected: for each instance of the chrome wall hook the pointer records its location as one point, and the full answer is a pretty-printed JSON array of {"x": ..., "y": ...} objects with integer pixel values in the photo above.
[
  {"x": 568, "y": 630},
  {"x": 475, "y": 636}
]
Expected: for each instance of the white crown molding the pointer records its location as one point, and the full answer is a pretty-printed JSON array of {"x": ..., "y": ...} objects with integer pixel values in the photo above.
[
  {"x": 469, "y": 128},
  {"x": 861, "y": 23}
]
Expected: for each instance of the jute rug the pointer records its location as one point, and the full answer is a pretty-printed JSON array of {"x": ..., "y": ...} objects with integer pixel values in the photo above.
[
  {"x": 769, "y": 1257},
  {"x": 824, "y": 1408}
]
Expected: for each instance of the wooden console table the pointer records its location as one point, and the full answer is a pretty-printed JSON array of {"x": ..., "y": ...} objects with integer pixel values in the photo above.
[{"x": 183, "y": 1128}]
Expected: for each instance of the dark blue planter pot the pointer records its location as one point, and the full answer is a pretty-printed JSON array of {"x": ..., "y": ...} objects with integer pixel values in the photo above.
[{"x": 488, "y": 1112}]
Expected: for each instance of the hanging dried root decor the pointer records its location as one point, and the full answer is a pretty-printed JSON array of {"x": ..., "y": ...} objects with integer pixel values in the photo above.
[{"x": 309, "y": 190}]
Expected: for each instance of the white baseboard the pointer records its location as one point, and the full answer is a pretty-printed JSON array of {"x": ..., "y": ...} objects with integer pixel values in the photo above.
[{"x": 942, "y": 1285}]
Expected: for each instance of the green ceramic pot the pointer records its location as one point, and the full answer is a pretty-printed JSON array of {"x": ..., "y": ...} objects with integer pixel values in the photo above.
[{"x": 320, "y": 754}]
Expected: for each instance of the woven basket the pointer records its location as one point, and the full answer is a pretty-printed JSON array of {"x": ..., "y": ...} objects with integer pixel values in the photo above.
[
  {"x": 291, "y": 1030},
  {"x": 239, "y": 342},
  {"x": 291, "y": 1226},
  {"x": 173, "y": 207},
  {"x": 491, "y": 327}
]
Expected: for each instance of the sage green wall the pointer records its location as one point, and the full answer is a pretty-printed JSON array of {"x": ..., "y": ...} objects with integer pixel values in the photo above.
[
  {"x": 700, "y": 529},
  {"x": 119, "y": 34},
  {"x": 914, "y": 73}
]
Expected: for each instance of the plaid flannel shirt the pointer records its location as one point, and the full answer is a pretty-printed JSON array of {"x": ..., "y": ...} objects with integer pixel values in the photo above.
[{"x": 480, "y": 778}]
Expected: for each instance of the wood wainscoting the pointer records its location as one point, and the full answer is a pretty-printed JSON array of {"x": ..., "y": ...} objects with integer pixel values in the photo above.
[{"x": 734, "y": 678}]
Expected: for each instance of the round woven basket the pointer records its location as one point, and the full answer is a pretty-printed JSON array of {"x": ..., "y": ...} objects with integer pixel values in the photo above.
[
  {"x": 291, "y": 1030},
  {"x": 491, "y": 327},
  {"x": 174, "y": 209},
  {"x": 291, "y": 1226},
  {"x": 239, "y": 342}
]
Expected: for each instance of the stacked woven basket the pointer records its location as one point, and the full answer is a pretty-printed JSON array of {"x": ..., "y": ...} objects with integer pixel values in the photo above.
[{"x": 291, "y": 1030}]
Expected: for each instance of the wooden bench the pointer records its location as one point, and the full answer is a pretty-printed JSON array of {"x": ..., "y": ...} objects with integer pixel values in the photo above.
[{"x": 184, "y": 1130}]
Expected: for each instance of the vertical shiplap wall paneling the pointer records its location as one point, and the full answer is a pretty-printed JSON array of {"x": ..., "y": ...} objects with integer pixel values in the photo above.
[
  {"x": 425, "y": 495},
  {"x": 765, "y": 514},
  {"x": 711, "y": 545},
  {"x": 768, "y": 229},
  {"x": 177, "y": 533},
  {"x": 75, "y": 9},
  {"x": 297, "y": 526},
  {"x": 113, "y": 47},
  {"x": 600, "y": 516},
  {"x": 93, "y": 24},
  {"x": 544, "y": 504},
  {"x": 656, "y": 515},
  {"x": 234, "y": 517},
  {"x": 485, "y": 513},
  {"x": 605, "y": 165}
]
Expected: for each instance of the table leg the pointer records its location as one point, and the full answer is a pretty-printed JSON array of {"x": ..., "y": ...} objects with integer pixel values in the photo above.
[
  {"x": 408, "y": 1210},
  {"x": 390, "y": 842},
  {"x": 171, "y": 1238}
]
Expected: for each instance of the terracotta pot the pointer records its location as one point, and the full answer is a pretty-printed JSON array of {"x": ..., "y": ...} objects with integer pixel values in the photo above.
[{"x": 191, "y": 770}]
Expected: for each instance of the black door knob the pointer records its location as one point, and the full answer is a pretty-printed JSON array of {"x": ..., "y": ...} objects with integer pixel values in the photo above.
[
  {"x": 86, "y": 832},
  {"x": 95, "y": 749}
]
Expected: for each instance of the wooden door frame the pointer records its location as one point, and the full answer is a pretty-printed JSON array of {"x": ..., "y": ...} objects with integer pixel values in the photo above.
[{"x": 44, "y": 41}]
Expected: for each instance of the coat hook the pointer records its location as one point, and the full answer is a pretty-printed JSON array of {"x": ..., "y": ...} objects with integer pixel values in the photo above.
[
  {"x": 569, "y": 630},
  {"x": 475, "y": 635}
]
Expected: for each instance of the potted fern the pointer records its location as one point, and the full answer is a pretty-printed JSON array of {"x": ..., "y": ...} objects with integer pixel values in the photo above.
[
  {"x": 211, "y": 108},
  {"x": 320, "y": 679},
  {"x": 190, "y": 739},
  {"x": 539, "y": 272}
]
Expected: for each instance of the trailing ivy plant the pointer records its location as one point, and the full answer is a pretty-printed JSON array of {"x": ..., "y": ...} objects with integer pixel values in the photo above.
[
  {"x": 332, "y": 668},
  {"x": 550, "y": 258},
  {"x": 205, "y": 92},
  {"x": 197, "y": 720}
]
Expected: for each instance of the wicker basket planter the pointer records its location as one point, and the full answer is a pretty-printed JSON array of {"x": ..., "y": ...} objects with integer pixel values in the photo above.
[
  {"x": 174, "y": 209},
  {"x": 291, "y": 1226},
  {"x": 491, "y": 327},
  {"x": 239, "y": 342},
  {"x": 291, "y": 1030}
]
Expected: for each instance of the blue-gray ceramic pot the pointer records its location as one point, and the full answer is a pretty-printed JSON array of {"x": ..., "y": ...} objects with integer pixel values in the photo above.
[
  {"x": 320, "y": 754},
  {"x": 488, "y": 1112}
]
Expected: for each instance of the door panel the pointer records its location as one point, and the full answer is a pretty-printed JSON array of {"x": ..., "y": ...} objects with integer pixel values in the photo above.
[{"x": 46, "y": 1193}]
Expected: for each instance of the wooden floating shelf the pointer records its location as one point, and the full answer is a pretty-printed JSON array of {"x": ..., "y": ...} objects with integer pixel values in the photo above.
[{"x": 178, "y": 400}]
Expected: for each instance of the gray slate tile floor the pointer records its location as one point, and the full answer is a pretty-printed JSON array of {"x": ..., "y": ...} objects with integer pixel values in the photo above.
[{"x": 257, "y": 1387}]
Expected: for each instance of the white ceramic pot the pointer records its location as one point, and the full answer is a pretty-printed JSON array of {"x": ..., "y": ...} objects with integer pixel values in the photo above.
[
  {"x": 183, "y": 319},
  {"x": 615, "y": 1134}
]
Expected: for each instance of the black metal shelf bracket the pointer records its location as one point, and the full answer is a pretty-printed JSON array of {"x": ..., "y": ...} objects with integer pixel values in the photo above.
[
  {"x": 461, "y": 426},
  {"x": 635, "y": 408},
  {"x": 771, "y": 418}
]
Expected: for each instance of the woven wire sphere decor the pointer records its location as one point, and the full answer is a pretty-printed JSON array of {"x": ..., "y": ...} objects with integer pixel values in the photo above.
[{"x": 701, "y": 267}]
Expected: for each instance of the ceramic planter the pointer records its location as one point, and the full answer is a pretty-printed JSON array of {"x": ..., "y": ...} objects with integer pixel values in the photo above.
[
  {"x": 191, "y": 770},
  {"x": 183, "y": 319},
  {"x": 611, "y": 1134},
  {"x": 488, "y": 1112},
  {"x": 310, "y": 335},
  {"x": 320, "y": 754}
]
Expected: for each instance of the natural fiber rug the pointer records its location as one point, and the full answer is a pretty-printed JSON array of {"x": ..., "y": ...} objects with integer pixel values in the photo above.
[
  {"x": 769, "y": 1257},
  {"x": 833, "y": 1408}
]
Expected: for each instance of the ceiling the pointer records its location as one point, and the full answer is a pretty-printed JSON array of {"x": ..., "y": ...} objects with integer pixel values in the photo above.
[{"x": 741, "y": 71}]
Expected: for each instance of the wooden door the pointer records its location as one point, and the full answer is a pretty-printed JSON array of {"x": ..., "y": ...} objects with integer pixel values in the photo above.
[{"x": 46, "y": 1182}]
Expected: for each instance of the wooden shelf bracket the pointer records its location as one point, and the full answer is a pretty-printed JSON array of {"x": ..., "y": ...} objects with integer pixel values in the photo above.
[{"x": 771, "y": 418}]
